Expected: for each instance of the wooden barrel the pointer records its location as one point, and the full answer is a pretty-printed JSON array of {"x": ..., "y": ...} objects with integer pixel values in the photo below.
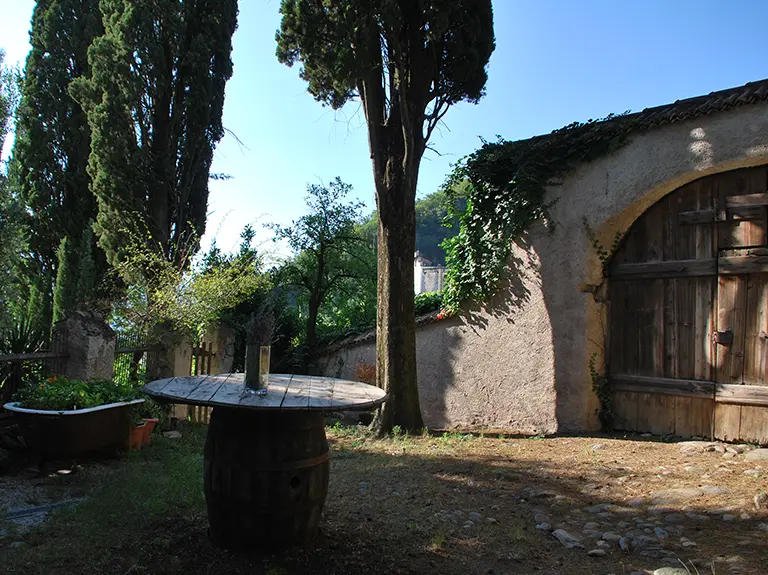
[{"x": 266, "y": 477}]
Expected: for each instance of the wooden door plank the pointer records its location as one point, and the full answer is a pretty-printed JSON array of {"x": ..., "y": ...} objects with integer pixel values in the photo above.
[
  {"x": 663, "y": 386},
  {"x": 754, "y": 424},
  {"x": 742, "y": 264},
  {"x": 655, "y": 413},
  {"x": 705, "y": 306},
  {"x": 686, "y": 324},
  {"x": 665, "y": 269},
  {"x": 727, "y": 422},
  {"x": 741, "y": 394},
  {"x": 625, "y": 411},
  {"x": 756, "y": 337},
  {"x": 618, "y": 321},
  {"x": 731, "y": 311},
  {"x": 671, "y": 336},
  {"x": 693, "y": 417},
  {"x": 759, "y": 199}
]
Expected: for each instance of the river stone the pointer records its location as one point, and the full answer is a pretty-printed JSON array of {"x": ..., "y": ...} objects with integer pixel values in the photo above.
[
  {"x": 596, "y": 552},
  {"x": 674, "y": 518},
  {"x": 566, "y": 539},
  {"x": 714, "y": 490},
  {"x": 677, "y": 494},
  {"x": 611, "y": 536},
  {"x": 624, "y": 544},
  {"x": 671, "y": 571},
  {"x": 757, "y": 455},
  {"x": 591, "y": 525},
  {"x": 694, "y": 446},
  {"x": 541, "y": 518}
]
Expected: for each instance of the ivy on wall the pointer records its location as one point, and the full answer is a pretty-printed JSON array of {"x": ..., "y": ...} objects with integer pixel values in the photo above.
[{"x": 506, "y": 189}]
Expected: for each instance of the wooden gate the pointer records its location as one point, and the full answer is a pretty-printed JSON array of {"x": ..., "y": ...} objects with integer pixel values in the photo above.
[
  {"x": 200, "y": 364},
  {"x": 688, "y": 292}
]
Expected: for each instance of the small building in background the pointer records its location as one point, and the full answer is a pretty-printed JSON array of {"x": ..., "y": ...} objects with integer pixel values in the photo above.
[{"x": 426, "y": 277}]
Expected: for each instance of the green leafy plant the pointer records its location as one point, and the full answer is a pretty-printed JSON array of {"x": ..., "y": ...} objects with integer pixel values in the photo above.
[
  {"x": 601, "y": 387},
  {"x": 59, "y": 393},
  {"x": 428, "y": 302},
  {"x": 604, "y": 255},
  {"x": 506, "y": 185}
]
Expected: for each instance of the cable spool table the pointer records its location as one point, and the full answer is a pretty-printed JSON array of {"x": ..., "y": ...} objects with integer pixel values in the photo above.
[{"x": 266, "y": 457}]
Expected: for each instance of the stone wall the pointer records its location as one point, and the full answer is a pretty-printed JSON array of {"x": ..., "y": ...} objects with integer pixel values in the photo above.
[{"x": 521, "y": 362}]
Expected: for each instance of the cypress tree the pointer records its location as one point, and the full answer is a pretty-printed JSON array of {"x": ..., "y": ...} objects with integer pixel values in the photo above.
[
  {"x": 52, "y": 135},
  {"x": 66, "y": 281},
  {"x": 86, "y": 269},
  {"x": 154, "y": 100}
]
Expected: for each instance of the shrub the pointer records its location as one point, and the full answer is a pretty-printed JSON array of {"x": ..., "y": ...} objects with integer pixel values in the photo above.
[{"x": 59, "y": 393}]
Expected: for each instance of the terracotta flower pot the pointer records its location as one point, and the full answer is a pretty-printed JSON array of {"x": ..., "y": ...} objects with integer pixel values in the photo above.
[
  {"x": 150, "y": 425},
  {"x": 137, "y": 436}
]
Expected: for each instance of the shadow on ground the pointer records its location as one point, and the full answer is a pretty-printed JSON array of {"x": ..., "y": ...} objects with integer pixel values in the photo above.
[{"x": 454, "y": 504}]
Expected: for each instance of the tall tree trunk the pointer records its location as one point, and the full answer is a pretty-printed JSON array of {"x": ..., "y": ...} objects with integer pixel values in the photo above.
[{"x": 395, "y": 324}]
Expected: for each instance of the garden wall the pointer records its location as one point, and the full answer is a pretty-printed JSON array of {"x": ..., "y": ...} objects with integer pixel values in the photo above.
[{"x": 522, "y": 362}]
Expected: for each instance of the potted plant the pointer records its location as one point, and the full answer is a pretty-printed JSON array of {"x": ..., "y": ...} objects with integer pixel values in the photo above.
[
  {"x": 152, "y": 414},
  {"x": 63, "y": 417},
  {"x": 138, "y": 431}
]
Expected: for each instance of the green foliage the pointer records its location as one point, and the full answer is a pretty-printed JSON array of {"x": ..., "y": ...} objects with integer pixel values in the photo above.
[
  {"x": 11, "y": 212},
  {"x": 333, "y": 271},
  {"x": 186, "y": 297},
  {"x": 86, "y": 267},
  {"x": 64, "y": 294},
  {"x": 507, "y": 184},
  {"x": 436, "y": 221},
  {"x": 59, "y": 393},
  {"x": 603, "y": 254},
  {"x": 52, "y": 142},
  {"x": 428, "y": 302},
  {"x": 601, "y": 387},
  {"x": 153, "y": 100},
  {"x": 338, "y": 42}
]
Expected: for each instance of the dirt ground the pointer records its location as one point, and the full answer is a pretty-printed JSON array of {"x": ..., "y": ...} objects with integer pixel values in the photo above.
[{"x": 453, "y": 504}]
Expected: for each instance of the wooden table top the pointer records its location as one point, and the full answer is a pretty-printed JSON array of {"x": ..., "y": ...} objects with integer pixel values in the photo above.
[{"x": 285, "y": 392}]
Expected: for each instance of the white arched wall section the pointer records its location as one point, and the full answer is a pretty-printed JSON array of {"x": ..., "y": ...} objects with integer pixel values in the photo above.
[
  {"x": 609, "y": 195},
  {"x": 526, "y": 367}
]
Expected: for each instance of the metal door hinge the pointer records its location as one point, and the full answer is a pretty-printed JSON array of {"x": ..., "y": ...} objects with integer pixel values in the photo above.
[{"x": 723, "y": 337}]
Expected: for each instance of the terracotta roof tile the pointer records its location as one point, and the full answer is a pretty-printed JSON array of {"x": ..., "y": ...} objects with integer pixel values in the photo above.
[{"x": 712, "y": 103}]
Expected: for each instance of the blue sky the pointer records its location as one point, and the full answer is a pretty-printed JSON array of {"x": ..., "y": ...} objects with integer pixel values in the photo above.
[{"x": 556, "y": 61}]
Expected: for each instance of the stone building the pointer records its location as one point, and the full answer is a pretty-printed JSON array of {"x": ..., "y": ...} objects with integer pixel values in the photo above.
[{"x": 678, "y": 320}]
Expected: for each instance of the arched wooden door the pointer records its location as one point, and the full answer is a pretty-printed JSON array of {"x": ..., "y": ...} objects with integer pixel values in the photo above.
[{"x": 688, "y": 293}]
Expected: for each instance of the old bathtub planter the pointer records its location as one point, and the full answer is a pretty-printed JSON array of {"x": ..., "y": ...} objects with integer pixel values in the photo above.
[{"x": 57, "y": 433}]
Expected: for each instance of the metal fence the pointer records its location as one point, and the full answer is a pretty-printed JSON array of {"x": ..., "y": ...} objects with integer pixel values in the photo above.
[{"x": 135, "y": 356}]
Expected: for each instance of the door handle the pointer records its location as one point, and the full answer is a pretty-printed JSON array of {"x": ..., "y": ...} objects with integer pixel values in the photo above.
[{"x": 723, "y": 337}]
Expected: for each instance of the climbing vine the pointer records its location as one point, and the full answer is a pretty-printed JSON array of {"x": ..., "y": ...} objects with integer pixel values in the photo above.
[
  {"x": 506, "y": 184},
  {"x": 601, "y": 387},
  {"x": 603, "y": 254}
]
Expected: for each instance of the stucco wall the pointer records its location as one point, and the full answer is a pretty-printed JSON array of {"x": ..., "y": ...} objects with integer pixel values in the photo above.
[{"x": 524, "y": 366}]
